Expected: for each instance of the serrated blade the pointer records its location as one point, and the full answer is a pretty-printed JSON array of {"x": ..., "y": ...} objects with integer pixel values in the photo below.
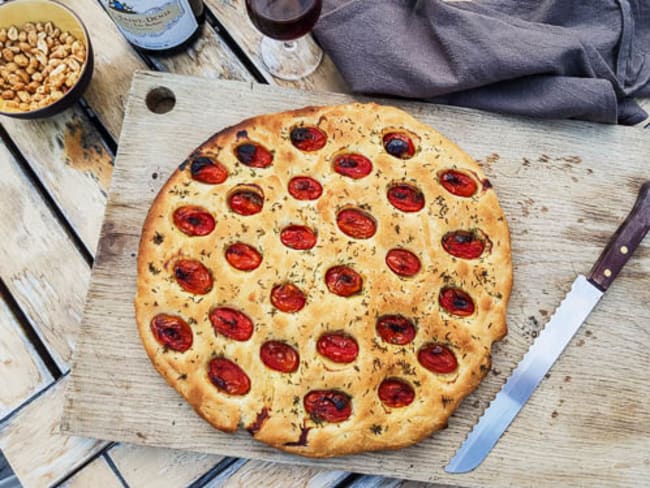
[{"x": 548, "y": 346}]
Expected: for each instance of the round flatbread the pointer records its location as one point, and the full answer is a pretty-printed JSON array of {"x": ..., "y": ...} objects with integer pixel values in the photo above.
[{"x": 330, "y": 279}]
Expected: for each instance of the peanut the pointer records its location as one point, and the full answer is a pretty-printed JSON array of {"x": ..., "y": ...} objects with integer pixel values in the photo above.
[
  {"x": 7, "y": 54},
  {"x": 21, "y": 60},
  {"x": 12, "y": 33}
]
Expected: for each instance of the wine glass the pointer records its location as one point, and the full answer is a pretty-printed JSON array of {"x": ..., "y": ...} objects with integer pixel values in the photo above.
[{"x": 287, "y": 52}]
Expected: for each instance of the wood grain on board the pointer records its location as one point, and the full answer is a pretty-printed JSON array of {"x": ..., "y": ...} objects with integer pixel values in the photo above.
[
  {"x": 233, "y": 17},
  {"x": 275, "y": 475},
  {"x": 22, "y": 372},
  {"x": 589, "y": 420},
  {"x": 97, "y": 474},
  {"x": 147, "y": 467},
  {"x": 38, "y": 454}
]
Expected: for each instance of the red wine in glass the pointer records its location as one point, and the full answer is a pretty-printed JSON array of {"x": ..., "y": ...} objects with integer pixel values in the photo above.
[
  {"x": 284, "y": 19},
  {"x": 286, "y": 51}
]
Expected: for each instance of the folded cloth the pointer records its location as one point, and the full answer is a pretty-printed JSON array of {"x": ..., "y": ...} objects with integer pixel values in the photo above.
[{"x": 582, "y": 59}]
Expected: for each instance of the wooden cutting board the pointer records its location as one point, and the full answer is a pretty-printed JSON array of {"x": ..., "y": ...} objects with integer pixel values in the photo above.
[{"x": 564, "y": 186}]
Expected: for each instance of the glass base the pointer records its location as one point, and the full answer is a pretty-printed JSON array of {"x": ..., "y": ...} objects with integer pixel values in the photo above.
[{"x": 291, "y": 60}]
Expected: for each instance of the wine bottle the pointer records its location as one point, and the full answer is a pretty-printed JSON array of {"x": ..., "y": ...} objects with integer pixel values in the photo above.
[{"x": 157, "y": 26}]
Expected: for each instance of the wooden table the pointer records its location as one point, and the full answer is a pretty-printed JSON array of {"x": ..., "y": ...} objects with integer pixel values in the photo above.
[{"x": 55, "y": 175}]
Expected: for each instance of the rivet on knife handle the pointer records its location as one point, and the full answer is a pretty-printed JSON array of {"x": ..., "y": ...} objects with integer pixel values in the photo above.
[
  {"x": 556, "y": 335},
  {"x": 624, "y": 242}
]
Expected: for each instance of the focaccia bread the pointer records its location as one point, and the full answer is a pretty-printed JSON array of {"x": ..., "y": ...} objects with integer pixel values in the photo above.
[{"x": 330, "y": 279}]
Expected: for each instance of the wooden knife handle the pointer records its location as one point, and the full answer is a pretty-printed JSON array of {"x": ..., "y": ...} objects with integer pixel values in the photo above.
[{"x": 624, "y": 242}]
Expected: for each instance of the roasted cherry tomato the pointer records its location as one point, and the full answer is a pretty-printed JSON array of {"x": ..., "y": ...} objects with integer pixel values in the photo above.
[
  {"x": 192, "y": 276},
  {"x": 395, "y": 329},
  {"x": 343, "y": 281},
  {"x": 193, "y": 220},
  {"x": 406, "y": 198},
  {"x": 279, "y": 356},
  {"x": 352, "y": 165},
  {"x": 288, "y": 298},
  {"x": 396, "y": 393},
  {"x": 458, "y": 183},
  {"x": 356, "y": 223},
  {"x": 172, "y": 332},
  {"x": 207, "y": 170},
  {"x": 308, "y": 138},
  {"x": 254, "y": 155},
  {"x": 246, "y": 200},
  {"x": 403, "y": 262},
  {"x": 437, "y": 358},
  {"x": 305, "y": 188},
  {"x": 231, "y": 323},
  {"x": 339, "y": 348},
  {"x": 399, "y": 145},
  {"x": 298, "y": 237},
  {"x": 228, "y": 377},
  {"x": 243, "y": 257},
  {"x": 463, "y": 244},
  {"x": 456, "y": 302},
  {"x": 327, "y": 406}
]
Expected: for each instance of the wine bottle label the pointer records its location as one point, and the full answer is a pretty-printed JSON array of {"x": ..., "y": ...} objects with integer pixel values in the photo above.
[{"x": 151, "y": 24}]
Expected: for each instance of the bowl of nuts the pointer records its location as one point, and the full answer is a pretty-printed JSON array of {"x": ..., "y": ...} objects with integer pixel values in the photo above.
[{"x": 46, "y": 60}]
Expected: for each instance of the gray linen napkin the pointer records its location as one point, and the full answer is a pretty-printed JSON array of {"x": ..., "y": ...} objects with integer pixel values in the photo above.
[{"x": 582, "y": 59}]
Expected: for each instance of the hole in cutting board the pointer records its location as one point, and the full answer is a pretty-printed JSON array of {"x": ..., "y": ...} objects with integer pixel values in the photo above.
[{"x": 160, "y": 100}]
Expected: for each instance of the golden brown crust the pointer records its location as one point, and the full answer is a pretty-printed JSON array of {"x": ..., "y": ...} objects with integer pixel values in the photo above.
[{"x": 372, "y": 425}]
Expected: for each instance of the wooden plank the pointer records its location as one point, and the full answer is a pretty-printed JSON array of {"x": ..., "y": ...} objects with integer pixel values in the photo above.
[
  {"x": 95, "y": 474},
  {"x": 70, "y": 159},
  {"x": 38, "y": 454},
  {"x": 22, "y": 372},
  {"x": 232, "y": 15},
  {"x": 209, "y": 56},
  {"x": 145, "y": 467},
  {"x": 551, "y": 178},
  {"x": 48, "y": 278},
  {"x": 39, "y": 262},
  {"x": 274, "y": 475}
]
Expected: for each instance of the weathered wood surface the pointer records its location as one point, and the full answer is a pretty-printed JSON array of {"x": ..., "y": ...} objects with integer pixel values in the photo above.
[
  {"x": 39, "y": 263},
  {"x": 275, "y": 475},
  {"x": 95, "y": 474},
  {"x": 588, "y": 423},
  {"x": 38, "y": 454},
  {"x": 22, "y": 372},
  {"x": 209, "y": 57},
  {"x": 145, "y": 467},
  {"x": 72, "y": 162}
]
